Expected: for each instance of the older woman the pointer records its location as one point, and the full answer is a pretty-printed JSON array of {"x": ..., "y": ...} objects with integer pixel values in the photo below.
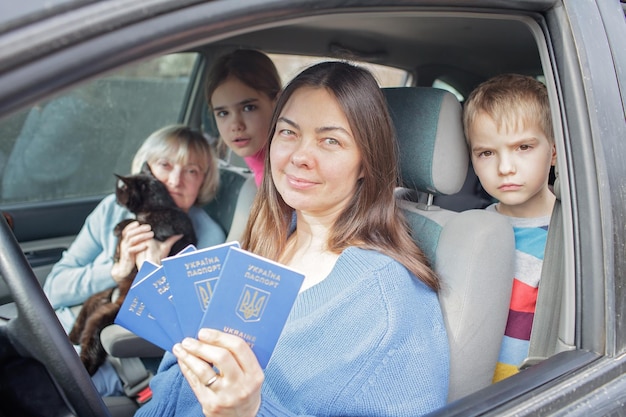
[{"x": 183, "y": 160}]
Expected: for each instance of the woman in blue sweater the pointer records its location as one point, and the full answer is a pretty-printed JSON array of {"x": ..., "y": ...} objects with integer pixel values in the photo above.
[
  {"x": 183, "y": 160},
  {"x": 366, "y": 335}
]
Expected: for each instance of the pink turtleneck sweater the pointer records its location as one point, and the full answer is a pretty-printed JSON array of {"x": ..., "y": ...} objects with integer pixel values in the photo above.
[{"x": 256, "y": 163}]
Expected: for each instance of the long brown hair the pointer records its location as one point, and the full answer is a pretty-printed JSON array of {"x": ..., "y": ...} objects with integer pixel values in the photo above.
[{"x": 372, "y": 219}]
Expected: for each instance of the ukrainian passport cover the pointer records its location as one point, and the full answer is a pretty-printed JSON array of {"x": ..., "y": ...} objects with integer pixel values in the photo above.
[
  {"x": 154, "y": 292},
  {"x": 192, "y": 277},
  {"x": 252, "y": 299},
  {"x": 228, "y": 289},
  {"x": 135, "y": 316}
]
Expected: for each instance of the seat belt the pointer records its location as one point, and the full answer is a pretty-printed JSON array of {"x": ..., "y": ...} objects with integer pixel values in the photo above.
[
  {"x": 133, "y": 374},
  {"x": 545, "y": 330}
]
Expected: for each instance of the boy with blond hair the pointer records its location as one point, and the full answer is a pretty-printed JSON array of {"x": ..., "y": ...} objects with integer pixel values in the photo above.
[{"x": 508, "y": 128}]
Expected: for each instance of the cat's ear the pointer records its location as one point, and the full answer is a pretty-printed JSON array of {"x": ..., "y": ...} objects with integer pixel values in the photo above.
[
  {"x": 145, "y": 169},
  {"x": 122, "y": 182}
]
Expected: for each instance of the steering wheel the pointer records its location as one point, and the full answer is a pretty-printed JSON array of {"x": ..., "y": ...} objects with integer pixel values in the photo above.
[{"x": 37, "y": 333}]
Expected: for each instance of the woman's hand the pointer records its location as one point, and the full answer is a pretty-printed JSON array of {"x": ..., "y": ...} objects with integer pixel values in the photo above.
[
  {"x": 134, "y": 239},
  {"x": 156, "y": 250},
  {"x": 236, "y": 389}
]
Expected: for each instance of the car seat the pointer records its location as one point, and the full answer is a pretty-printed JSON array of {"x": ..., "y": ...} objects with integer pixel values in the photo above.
[
  {"x": 231, "y": 206},
  {"x": 472, "y": 251}
]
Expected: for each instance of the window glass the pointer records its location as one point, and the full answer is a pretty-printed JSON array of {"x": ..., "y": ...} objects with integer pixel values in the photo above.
[
  {"x": 290, "y": 65},
  {"x": 445, "y": 86},
  {"x": 71, "y": 145}
]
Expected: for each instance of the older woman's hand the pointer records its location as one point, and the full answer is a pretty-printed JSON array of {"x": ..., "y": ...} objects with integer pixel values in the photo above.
[
  {"x": 133, "y": 241},
  {"x": 156, "y": 250},
  {"x": 235, "y": 389}
]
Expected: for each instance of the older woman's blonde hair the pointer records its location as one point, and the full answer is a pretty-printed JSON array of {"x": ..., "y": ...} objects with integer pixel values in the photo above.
[{"x": 187, "y": 145}]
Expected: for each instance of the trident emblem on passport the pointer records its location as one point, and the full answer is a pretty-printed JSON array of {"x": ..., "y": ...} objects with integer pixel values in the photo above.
[
  {"x": 204, "y": 291},
  {"x": 252, "y": 303}
]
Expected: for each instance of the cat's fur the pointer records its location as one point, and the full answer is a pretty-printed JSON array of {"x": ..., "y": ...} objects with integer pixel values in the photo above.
[{"x": 149, "y": 199}]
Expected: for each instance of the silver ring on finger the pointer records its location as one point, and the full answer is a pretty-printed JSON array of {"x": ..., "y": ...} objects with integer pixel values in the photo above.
[{"x": 211, "y": 381}]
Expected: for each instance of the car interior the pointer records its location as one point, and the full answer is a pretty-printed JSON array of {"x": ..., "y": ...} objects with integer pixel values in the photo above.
[
  {"x": 471, "y": 250},
  {"x": 440, "y": 56}
]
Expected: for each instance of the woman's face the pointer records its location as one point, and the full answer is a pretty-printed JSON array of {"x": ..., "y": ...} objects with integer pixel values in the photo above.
[
  {"x": 183, "y": 180},
  {"x": 243, "y": 116},
  {"x": 314, "y": 156}
]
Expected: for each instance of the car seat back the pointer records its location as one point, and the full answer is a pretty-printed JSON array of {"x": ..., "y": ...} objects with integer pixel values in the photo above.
[
  {"x": 232, "y": 203},
  {"x": 471, "y": 251}
]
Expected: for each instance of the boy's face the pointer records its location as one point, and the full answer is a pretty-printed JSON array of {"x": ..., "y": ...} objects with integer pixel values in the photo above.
[{"x": 513, "y": 166}]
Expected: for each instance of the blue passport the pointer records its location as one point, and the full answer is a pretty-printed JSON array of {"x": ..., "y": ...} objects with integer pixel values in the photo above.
[
  {"x": 192, "y": 277},
  {"x": 135, "y": 316},
  {"x": 252, "y": 299},
  {"x": 154, "y": 291}
]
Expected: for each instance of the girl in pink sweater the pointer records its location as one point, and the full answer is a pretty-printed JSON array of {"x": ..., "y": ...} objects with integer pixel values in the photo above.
[{"x": 241, "y": 90}]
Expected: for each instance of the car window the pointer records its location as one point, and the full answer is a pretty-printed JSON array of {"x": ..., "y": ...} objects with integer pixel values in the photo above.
[
  {"x": 438, "y": 83},
  {"x": 70, "y": 146},
  {"x": 290, "y": 65}
]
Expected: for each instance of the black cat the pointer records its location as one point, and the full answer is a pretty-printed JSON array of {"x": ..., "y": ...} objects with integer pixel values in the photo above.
[{"x": 149, "y": 200}]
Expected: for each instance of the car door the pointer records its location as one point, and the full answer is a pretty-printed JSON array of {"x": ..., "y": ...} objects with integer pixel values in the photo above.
[{"x": 584, "y": 62}]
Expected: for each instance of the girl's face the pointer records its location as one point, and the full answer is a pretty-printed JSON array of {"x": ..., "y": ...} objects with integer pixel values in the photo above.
[
  {"x": 183, "y": 180},
  {"x": 243, "y": 116},
  {"x": 314, "y": 156}
]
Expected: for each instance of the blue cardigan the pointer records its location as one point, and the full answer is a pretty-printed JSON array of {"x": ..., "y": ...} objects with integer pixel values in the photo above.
[
  {"x": 85, "y": 267},
  {"x": 369, "y": 340}
]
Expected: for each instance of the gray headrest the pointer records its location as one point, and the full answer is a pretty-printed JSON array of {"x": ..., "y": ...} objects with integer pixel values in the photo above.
[{"x": 433, "y": 154}]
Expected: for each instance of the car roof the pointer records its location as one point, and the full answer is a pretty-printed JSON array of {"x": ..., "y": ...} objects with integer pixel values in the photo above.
[
  {"x": 419, "y": 42},
  {"x": 415, "y": 38},
  {"x": 16, "y": 14}
]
